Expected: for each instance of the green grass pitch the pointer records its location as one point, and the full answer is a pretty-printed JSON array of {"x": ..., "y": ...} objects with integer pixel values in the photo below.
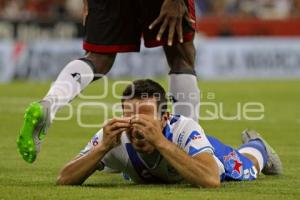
[{"x": 280, "y": 126}]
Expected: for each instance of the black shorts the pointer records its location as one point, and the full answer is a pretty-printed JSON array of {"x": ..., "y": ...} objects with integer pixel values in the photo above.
[{"x": 114, "y": 26}]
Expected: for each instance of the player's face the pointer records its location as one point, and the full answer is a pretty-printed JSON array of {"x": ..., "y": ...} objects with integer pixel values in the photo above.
[{"x": 146, "y": 107}]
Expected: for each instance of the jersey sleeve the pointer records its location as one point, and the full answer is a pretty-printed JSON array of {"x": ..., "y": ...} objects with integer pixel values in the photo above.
[
  {"x": 193, "y": 139},
  {"x": 109, "y": 159},
  {"x": 93, "y": 142}
]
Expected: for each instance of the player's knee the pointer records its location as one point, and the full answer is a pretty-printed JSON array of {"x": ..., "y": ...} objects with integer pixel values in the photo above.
[{"x": 101, "y": 63}]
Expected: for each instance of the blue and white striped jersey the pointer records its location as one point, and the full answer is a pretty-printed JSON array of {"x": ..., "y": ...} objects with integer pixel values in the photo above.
[{"x": 184, "y": 132}]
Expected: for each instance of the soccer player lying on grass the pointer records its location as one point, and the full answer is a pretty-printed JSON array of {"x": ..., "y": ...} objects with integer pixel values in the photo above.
[{"x": 150, "y": 146}]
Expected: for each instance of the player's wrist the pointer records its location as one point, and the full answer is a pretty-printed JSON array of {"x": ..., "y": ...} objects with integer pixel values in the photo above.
[{"x": 102, "y": 147}]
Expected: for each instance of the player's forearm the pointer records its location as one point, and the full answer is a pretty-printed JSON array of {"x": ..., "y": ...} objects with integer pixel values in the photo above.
[
  {"x": 78, "y": 170},
  {"x": 196, "y": 173}
]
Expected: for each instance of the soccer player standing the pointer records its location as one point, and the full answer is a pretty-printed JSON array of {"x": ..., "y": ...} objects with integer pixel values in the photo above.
[{"x": 115, "y": 26}]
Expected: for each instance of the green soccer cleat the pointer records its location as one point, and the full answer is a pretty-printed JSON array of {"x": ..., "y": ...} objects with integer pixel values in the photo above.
[
  {"x": 274, "y": 164},
  {"x": 35, "y": 125}
]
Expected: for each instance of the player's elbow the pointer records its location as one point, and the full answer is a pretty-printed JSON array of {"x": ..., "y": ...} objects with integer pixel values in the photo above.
[
  {"x": 212, "y": 183},
  {"x": 61, "y": 180},
  {"x": 209, "y": 182},
  {"x": 65, "y": 180}
]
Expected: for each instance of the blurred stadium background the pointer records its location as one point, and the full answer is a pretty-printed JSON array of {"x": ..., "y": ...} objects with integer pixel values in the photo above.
[
  {"x": 247, "y": 50},
  {"x": 236, "y": 39}
]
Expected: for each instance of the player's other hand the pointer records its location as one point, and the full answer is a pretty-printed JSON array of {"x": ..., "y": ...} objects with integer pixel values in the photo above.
[
  {"x": 112, "y": 132},
  {"x": 85, "y": 11},
  {"x": 171, "y": 15},
  {"x": 150, "y": 128}
]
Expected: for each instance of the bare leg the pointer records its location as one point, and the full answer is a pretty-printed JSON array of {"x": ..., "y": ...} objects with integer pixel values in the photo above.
[{"x": 75, "y": 77}]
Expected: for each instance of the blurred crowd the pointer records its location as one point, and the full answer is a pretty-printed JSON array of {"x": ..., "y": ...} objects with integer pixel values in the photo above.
[
  {"x": 40, "y": 9},
  {"x": 71, "y": 9},
  {"x": 262, "y": 9}
]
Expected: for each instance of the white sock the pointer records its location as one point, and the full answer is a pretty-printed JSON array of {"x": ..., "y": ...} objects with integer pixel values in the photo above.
[
  {"x": 256, "y": 154},
  {"x": 184, "y": 89},
  {"x": 70, "y": 82}
]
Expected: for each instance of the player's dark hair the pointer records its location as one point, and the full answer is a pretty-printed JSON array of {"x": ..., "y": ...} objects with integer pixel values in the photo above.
[{"x": 147, "y": 88}]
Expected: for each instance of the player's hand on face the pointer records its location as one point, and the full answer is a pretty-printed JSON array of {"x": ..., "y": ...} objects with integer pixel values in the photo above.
[
  {"x": 171, "y": 15},
  {"x": 150, "y": 128},
  {"x": 112, "y": 132}
]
